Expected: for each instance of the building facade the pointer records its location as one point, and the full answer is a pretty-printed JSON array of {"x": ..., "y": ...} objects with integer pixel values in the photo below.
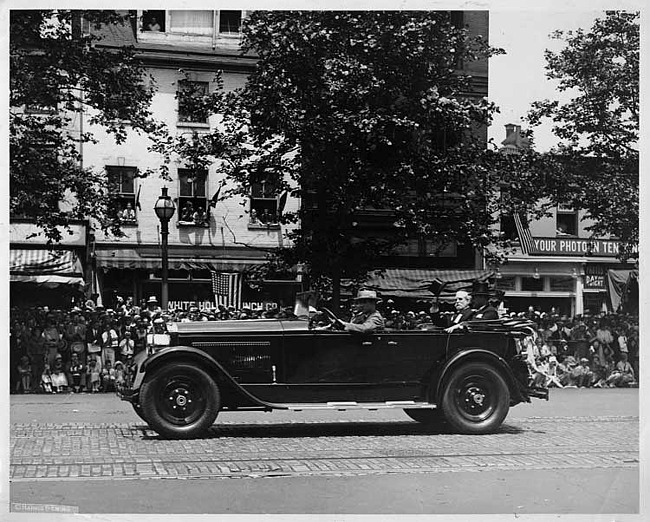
[
  {"x": 563, "y": 266},
  {"x": 181, "y": 48}
]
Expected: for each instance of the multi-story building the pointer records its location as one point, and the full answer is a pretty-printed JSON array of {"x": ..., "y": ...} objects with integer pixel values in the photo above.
[
  {"x": 558, "y": 264},
  {"x": 178, "y": 46}
]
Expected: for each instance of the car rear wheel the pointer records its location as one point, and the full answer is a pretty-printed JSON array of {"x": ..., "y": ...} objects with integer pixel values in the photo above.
[
  {"x": 180, "y": 401},
  {"x": 425, "y": 416},
  {"x": 476, "y": 399}
]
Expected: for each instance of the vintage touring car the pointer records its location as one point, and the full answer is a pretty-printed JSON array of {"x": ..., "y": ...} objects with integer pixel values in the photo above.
[{"x": 470, "y": 378}]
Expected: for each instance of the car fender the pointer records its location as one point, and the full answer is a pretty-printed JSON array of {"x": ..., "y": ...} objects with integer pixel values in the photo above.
[
  {"x": 482, "y": 355},
  {"x": 188, "y": 353}
]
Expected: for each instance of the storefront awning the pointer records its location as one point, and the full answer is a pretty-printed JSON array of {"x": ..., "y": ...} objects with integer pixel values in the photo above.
[
  {"x": 424, "y": 284},
  {"x": 617, "y": 283},
  {"x": 129, "y": 258},
  {"x": 50, "y": 268}
]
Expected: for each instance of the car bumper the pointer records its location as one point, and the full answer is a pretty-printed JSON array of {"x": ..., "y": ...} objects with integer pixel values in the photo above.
[
  {"x": 126, "y": 393},
  {"x": 537, "y": 392}
]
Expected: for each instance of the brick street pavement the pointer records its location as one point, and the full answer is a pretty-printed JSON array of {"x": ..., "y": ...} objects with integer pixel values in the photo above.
[{"x": 74, "y": 451}]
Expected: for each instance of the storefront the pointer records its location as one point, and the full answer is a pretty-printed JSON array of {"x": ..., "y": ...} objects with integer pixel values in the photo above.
[
  {"x": 136, "y": 272},
  {"x": 566, "y": 274},
  {"x": 40, "y": 276}
]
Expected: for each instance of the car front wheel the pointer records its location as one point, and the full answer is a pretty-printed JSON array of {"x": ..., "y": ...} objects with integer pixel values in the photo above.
[
  {"x": 476, "y": 399},
  {"x": 180, "y": 401}
]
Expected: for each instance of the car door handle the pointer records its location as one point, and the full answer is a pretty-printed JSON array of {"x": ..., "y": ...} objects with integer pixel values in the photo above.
[
  {"x": 366, "y": 343},
  {"x": 392, "y": 343}
]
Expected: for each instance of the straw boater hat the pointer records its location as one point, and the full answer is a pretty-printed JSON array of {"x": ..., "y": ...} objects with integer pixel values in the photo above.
[
  {"x": 152, "y": 299},
  {"x": 366, "y": 295}
]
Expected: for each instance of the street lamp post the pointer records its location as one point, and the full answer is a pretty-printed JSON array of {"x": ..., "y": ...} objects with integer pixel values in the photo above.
[{"x": 164, "y": 209}]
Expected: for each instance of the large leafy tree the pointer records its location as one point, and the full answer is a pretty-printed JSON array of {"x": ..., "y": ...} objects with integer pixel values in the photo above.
[
  {"x": 596, "y": 165},
  {"x": 59, "y": 73},
  {"x": 355, "y": 111}
]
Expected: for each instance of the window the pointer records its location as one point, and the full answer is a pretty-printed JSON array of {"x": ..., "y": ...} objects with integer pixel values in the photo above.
[
  {"x": 191, "y": 22},
  {"x": 192, "y": 202},
  {"x": 121, "y": 182},
  {"x": 531, "y": 284},
  {"x": 190, "y": 102},
  {"x": 230, "y": 22},
  {"x": 562, "y": 284},
  {"x": 567, "y": 223},
  {"x": 507, "y": 283},
  {"x": 264, "y": 203},
  {"x": 507, "y": 221},
  {"x": 118, "y": 108},
  {"x": 153, "y": 21}
]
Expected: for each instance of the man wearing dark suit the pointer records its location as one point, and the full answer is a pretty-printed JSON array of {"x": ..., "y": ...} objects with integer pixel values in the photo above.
[
  {"x": 484, "y": 310},
  {"x": 463, "y": 310}
]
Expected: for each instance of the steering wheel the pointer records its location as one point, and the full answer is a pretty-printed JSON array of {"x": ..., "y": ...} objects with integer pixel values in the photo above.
[{"x": 331, "y": 316}]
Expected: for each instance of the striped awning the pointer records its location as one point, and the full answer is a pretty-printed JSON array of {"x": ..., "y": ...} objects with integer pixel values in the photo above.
[
  {"x": 50, "y": 268},
  {"x": 129, "y": 258},
  {"x": 424, "y": 284}
]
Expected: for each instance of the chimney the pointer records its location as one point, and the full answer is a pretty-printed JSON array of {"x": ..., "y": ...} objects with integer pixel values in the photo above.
[{"x": 510, "y": 128}]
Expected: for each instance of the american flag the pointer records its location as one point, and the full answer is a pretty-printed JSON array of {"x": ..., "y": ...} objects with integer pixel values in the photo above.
[
  {"x": 525, "y": 237},
  {"x": 226, "y": 287}
]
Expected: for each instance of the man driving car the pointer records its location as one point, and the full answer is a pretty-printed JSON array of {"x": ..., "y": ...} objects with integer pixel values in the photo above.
[{"x": 368, "y": 319}]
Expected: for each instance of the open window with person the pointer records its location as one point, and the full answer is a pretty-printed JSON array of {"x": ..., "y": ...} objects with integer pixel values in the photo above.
[
  {"x": 154, "y": 21},
  {"x": 192, "y": 201},
  {"x": 121, "y": 182},
  {"x": 264, "y": 202},
  {"x": 566, "y": 222}
]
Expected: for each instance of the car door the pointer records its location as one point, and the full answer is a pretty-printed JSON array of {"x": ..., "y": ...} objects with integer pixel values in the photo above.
[{"x": 326, "y": 365}]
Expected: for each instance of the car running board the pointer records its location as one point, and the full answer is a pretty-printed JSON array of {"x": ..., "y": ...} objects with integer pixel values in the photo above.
[{"x": 342, "y": 406}]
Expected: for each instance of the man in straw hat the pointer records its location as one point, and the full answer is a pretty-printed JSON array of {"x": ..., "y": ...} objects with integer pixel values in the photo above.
[{"x": 368, "y": 320}]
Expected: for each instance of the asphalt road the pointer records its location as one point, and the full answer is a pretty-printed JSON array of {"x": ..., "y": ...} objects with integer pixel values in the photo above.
[{"x": 577, "y": 453}]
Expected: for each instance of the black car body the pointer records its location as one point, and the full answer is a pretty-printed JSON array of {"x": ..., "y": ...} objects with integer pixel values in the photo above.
[{"x": 471, "y": 377}]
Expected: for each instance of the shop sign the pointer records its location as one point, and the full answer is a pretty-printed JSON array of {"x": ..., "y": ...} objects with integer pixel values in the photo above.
[
  {"x": 207, "y": 305},
  {"x": 595, "y": 281},
  {"x": 574, "y": 247}
]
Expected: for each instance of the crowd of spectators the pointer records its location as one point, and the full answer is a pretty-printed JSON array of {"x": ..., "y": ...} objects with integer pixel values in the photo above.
[
  {"x": 88, "y": 348},
  {"x": 599, "y": 351}
]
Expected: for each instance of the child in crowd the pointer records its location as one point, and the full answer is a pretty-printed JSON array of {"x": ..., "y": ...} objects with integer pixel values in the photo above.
[
  {"x": 623, "y": 375},
  {"x": 59, "y": 380},
  {"x": 76, "y": 370},
  {"x": 24, "y": 383},
  {"x": 108, "y": 377},
  {"x": 46, "y": 380},
  {"x": 93, "y": 373},
  {"x": 119, "y": 374}
]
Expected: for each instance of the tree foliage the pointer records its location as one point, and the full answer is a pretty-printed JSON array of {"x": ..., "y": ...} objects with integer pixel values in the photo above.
[
  {"x": 595, "y": 167},
  {"x": 359, "y": 113},
  {"x": 60, "y": 73}
]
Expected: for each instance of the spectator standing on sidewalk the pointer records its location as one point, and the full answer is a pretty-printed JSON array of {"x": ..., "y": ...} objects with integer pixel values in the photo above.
[
  {"x": 46, "y": 379},
  {"x": 59, "y": 380},
  {"x": 76, "y": 371},
  {"x": 24, "y": 384},
  {"x": 127, "y": 346},
  {"x": 110, "y": 342}
]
